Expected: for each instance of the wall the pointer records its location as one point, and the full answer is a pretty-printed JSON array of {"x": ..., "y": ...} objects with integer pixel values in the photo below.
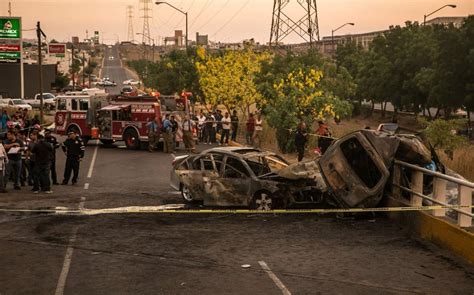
[{"x": 10, "y": 79}]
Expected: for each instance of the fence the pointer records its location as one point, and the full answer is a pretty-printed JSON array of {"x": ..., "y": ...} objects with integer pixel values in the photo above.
[{"x": 440, "y": 181}]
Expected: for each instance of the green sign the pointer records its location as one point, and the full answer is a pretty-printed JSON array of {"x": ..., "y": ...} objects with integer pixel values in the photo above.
[
  {"x": 10, "y": 57},
  {"x": 10, "y": 28}
]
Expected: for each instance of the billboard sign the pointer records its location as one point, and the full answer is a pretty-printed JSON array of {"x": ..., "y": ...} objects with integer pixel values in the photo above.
[
  {"x": 57, "y": 50},
  {"x": 10, "y": 28}
]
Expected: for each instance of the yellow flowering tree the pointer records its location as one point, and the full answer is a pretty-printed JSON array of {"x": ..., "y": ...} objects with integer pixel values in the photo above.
[
  {"x": 228, "y": 78},
  {"x": 300, "y": 96}
]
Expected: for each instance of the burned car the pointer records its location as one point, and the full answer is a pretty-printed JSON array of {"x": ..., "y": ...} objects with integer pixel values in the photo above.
[{"x": 352, "y": 173}]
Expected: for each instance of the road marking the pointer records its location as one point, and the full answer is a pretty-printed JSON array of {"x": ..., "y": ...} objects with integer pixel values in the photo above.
[
  {"x": 66, "y": 265},
  {"x": 86, "y": 186},
  {"x": 274, "y": 278},
  {"x": 91, "y": 167}
]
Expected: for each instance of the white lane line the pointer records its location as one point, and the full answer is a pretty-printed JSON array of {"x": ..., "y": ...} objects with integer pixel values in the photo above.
[
  {"x": 91, "y": 167},
  {"x": 69, "y": 251},
  {"x": 274, "y": 278},
  {"x": 66, "y": 265}
]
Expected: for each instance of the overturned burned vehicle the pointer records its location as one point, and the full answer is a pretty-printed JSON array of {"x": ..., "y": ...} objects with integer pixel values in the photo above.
[{"x": 352, "y": 173}]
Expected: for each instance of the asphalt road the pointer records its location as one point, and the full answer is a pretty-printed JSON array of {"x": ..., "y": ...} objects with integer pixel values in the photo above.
[
  {"x": 201, "y": 254},
  {"x": 114, "y": 69}
]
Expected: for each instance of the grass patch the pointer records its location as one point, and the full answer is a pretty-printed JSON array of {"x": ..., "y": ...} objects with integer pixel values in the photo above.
[{"x": 462, "y": 162}]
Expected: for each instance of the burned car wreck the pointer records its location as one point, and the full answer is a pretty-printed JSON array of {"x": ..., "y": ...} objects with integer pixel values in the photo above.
[{"x": 352, "y": 173}]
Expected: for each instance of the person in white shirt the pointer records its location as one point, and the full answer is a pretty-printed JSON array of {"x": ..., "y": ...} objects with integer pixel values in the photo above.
[
  {"x": 3, "y": 167},
  {"x": 201, "y": 122},
  {"x": 258, "y": 131},
  {"x": 225, "y": 128}
]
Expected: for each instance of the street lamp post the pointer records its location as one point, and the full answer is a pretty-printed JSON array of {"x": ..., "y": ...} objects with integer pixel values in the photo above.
[
  {"x": 426, "y": 15},
  {"x": 185, "y": 14},
  {"x": 332, "y": 35}
]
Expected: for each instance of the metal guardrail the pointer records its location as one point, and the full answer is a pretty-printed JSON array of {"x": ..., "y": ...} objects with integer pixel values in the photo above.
[{"x": 440, "y": 180}]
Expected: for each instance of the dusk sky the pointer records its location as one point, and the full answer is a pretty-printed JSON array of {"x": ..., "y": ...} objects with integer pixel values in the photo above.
[{"x": 222, "y": 20}]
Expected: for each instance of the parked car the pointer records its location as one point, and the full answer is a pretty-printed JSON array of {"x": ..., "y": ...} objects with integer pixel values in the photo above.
[
  {"x": 352, "y": 173},
  {"x": 19, "y": 103},
  {"x": 49, "y": 101},
  {"x": 108, "y": 83}
]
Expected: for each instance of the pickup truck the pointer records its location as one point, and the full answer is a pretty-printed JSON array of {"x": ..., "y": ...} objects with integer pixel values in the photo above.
[
  {"x": 49, "y": 101},
  {"x": 15, "y": 103}
]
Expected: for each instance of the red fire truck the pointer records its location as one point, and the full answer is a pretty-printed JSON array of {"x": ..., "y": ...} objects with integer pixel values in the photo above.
[
  {"x": 126, "y": 117},
  {"x": 76, "y": 111}
]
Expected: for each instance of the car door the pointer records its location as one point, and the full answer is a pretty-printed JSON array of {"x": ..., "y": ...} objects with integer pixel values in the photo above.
[
  {"x": 231, "y": 187},
  {"x": 354, "y": 171},
  {"x": 199, "y": 169}
]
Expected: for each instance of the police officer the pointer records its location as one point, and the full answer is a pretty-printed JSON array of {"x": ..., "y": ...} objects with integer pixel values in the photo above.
[
  {"x": 74, "y": 149},
  {"x": 49, "y": 138}
]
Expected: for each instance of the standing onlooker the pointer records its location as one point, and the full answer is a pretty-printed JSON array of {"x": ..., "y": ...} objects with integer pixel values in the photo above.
[
  {"x": 235, "y": 125},
  {"x": 25, "y": 174},
  {"x": 33, "y": 176},
  {"x": 213, "y": 127},
  {"x": 74, "y": 149},
  {"x": 324, "y": 139},
  {"x": 153, "y": 134},
  {"x": 250, "y": 130},
  {"x": 258, "y": 131},
  {"x": 167, "y": 133},
  {"x": 208, "y": 129},
  {"x": 188, "y": 126},
  {"x": 14, "y": 158},
  {"x": 3, "y": 168},
  {"x": 218, "y": 116},
  {"x": 3, "y": 121},
  {"x": 301, "y": 138},
  {"x": 49, "y": 138},
  {"x": 201, "y": 126},
  {"x": 225, "y": 128},
  {"x": 174, "y": 130},
  {"x": 43, "y": 152}
]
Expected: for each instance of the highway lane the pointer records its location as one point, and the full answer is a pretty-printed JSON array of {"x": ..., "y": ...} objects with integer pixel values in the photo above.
[{"x": 114, "y": 69}]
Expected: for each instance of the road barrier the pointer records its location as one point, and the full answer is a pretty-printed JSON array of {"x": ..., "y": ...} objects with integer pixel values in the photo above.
[{"x": 440, "y": 180}]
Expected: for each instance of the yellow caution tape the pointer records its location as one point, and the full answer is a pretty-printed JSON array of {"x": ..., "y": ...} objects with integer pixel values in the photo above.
[{"x": 230, "y": 211}]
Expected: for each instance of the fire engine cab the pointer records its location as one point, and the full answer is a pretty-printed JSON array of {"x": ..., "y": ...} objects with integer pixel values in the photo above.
[
  {"x": 126, "y": 117},
  {"x": 76, "y": 111}
]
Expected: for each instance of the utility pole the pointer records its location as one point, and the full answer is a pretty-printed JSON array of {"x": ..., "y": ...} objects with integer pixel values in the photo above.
[
  {"x": 83, "y": 69},
  {"x": 130, "y": 23},
  {"x": 307, "y": 27},
  {"x": 146, "y": 25},
  {"x": 72, "y": 69},
  {"x": 9, "y": 8},
  {"x": 40, "y": 33}
]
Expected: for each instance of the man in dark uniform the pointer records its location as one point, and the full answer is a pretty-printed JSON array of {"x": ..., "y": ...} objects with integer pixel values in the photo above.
[
  {"x": 54, "y": 143},
  {"x": 74, "y": 149}
]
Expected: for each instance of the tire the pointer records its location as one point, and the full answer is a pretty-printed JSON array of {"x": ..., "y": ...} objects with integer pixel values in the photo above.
[
  {"x": 186, "y": 194},
  {"x": 262, "y": 201},
  {"x": 132, "y": 141}
]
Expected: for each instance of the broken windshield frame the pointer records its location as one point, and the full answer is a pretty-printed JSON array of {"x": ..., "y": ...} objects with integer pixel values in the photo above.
[{"x": 265, "y": 164}]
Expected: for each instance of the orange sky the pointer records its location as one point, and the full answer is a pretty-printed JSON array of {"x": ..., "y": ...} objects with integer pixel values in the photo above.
[{"x": 62, "y": 19}]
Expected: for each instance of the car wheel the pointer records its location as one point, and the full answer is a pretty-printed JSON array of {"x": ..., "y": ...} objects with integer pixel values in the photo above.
[
  {"x": 131, "y": 139},
  {"x": 262, "y": 201},
  {"x": 186, "y": 194}
]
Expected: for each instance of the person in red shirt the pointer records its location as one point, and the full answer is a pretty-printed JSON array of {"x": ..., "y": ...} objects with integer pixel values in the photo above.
[
  {"x": 324, "y": 139},
  {"x": 250, "y": 130}
]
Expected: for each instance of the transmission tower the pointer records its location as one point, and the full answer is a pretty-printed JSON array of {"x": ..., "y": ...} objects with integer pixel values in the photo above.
[
  {"x": 130, "y": 36},
  {"x": 146, "y": 16},
  {"x": 305, "y": 26}
]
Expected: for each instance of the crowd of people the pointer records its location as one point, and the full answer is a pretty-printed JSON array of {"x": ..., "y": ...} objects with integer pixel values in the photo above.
[
  {"x": 28, "y": 155},
  {"x": 208, "y": 125}
]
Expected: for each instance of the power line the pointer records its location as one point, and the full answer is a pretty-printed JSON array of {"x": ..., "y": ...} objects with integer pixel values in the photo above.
[
  {"x": 232, "y": 18},
  {"x": 171, "y": 15},
  {"x": 204, "y": 7},
  {"x": 213, "y": 16},
  {"x": 183, "y": 17}
]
